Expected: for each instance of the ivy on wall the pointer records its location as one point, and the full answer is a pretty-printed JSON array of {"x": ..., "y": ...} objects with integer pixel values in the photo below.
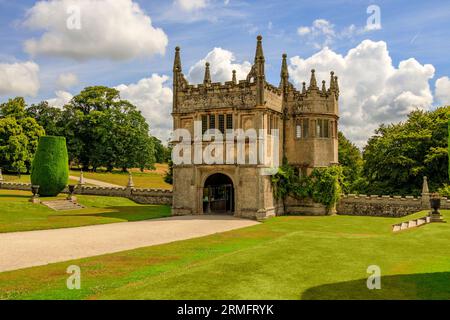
[{"x": 322, "y": 186}]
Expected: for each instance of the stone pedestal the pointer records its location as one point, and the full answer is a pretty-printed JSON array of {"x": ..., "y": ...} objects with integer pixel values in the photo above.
[
  {"x": 72, "y": 198},
  {"x": 35, "y": 200},
  {"x": 436, "y": 217}
]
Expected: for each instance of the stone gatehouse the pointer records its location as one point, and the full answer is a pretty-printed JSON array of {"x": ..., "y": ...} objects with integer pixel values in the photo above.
[{"x": 306, "y": 122}]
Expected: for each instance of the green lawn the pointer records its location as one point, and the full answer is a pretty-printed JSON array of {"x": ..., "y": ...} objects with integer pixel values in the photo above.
[
  {"x": 25, "y": 178},
  {"x": 282, "y": 258},
  {"x": 17, "y": 214},
  {"x": 148, "y": 179}
]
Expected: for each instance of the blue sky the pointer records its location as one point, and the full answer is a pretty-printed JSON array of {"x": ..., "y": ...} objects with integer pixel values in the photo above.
[{"x": 410, "y": 29}]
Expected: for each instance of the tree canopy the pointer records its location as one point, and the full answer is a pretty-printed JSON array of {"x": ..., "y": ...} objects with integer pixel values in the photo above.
[
  {"x": 398, "y": 156},
  {"x": 19, "y": 136},
  {"x": 101, "y": 130}
]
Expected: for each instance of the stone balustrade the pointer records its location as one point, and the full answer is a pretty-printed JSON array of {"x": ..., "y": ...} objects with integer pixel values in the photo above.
[{"x": 143, "y": 196}]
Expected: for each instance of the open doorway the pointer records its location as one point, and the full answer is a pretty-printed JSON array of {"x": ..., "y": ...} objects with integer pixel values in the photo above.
[{"x": 218, "y": 195}]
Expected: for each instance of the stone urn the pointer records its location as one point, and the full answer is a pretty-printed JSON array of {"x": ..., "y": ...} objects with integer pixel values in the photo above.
[
  {"x": 71, "y": 196},
  {"x": 35, "y": 191},
  {"x": 435, "y": 203}
]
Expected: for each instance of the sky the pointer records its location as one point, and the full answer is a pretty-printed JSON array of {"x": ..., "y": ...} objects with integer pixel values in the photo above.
[{"x": 391, "y": 57}]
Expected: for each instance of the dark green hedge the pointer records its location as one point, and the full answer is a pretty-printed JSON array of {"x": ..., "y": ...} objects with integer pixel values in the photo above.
[{"x": 50, "y": 169}]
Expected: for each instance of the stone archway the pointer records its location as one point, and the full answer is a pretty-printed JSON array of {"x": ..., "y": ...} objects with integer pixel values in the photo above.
[{"x": 218, "y": 195}]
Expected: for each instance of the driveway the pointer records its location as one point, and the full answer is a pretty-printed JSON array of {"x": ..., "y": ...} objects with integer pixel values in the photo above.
[{"x": 34, "y": 248}]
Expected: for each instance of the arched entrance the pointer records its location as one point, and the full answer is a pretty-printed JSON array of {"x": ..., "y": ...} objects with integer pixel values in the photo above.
[{"x": 218, "y": 195}]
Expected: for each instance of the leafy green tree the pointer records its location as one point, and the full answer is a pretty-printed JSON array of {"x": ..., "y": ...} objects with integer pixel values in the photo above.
[
  {"x": 350, "y": 158},
  {"x": 98, "y": 98},
  {"x": 13, "y": 145},
  {"x": 104, "y": 131},
  {"x": 19, "y": 135},
  {"x": 48, "y": 117},
  {"x": 399, "y": 155}
]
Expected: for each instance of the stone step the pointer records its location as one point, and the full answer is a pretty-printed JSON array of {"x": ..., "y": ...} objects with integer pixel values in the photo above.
[
  {"x": 410, "y": 224},
  {"x": 63, "y": 205}
]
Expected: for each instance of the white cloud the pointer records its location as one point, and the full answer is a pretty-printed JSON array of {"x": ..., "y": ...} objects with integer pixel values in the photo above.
[
  {"x": 67, "y": 80},
  {"x": 112, "y": 29},
  {"x": 62, "y": 98},
  {"x": 443, "y": 90},
  {"x": 322, "y": 33},
  {"x": 303, "y": 30},
  {"x": 19, "y": 78},
  {"x": 222, "y": 64},
  {"x": 373, "y": 90},
  {"x": 153, "y": 98},
  {"x": 191, "y": 5}
]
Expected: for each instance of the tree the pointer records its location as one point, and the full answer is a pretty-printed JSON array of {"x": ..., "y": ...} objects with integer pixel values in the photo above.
[
  {"x": 98, "y": 98},
  {"x": 13, "y": 146},
  {"x": 50, "y": 166},
  {"x": 47, "y": 117},
  {"x": 19, "y": 135},
  {"x": 162, "y": 153},
  {"x": 104, "y": 131},
  {"x": 350, "y": 158},
  {"x": 399, "y": 155}
]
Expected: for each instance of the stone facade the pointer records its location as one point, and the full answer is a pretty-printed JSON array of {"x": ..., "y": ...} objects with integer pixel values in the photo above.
[{"x": 307, "y": 121}]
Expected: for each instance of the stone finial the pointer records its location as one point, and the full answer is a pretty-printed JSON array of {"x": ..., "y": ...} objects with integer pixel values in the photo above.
[
  {"x": 425, "y": 199},
  {"x": 425, "y": 189},
  {"x": 177, "y": 61},
  {"x": 259, "y": 55},
  {"x": 313, "y": 81},
  {"x": 1, "y": 175},
  {"x": 332, "y": 83},
  {"x": 304, "y": 87},
  {"x": 234, "y": 79},
  {"x": 284, "y": 71},
  {"x": 81, "y": 181},
  {"x": 207, "y": 78},
  {"x": 324, "y": 89},
  {"x": 336, "y": 83},
  {"x": 130, "y": 181}
]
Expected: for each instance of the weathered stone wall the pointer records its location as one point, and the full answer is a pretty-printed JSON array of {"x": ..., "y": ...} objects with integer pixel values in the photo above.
[
  {"x": 142, "y": 196},
  {"x": 384, "y": 206},
  {"x": 305, "y": 207}
]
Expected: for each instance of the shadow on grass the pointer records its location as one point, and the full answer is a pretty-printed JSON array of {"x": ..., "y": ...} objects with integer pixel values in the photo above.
[{"x": 426, "y": 286}]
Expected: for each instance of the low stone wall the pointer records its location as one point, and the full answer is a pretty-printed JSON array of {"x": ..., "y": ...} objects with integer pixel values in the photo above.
[
  {"x": 305, "y": 207},
  {"x": 142, "y": 196},
  {"x": 384, "y": 206}
]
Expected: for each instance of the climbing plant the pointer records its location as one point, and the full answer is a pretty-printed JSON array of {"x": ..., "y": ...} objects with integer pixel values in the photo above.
[{"x": 322, "y": 186}]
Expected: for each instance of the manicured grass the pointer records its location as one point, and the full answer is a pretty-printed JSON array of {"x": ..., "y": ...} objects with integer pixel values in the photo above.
[
  {"x": 283, "y": 258},
  {"x": 148, "y": 179},
  {"x": 17, "y": 214}
]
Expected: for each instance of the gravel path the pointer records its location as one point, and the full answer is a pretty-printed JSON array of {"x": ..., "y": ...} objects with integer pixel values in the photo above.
[
  {"x": 33, "y": 248},
  {"x": 96, "y": 182}
]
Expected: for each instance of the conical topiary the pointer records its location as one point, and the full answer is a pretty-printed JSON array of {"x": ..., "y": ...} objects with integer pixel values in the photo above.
[{"x": 50, "y": 168}]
